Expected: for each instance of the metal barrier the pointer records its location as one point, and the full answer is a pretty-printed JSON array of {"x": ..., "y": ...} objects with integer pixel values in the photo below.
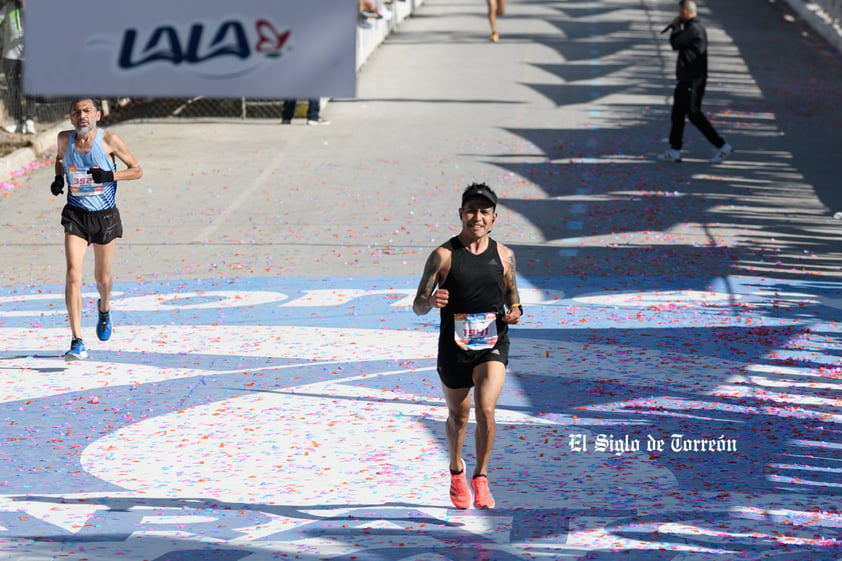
[{"x": 833, "y": 8}]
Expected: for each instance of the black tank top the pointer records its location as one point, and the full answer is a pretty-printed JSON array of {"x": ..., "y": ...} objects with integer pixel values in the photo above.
[{"x": 475, "y": 284}]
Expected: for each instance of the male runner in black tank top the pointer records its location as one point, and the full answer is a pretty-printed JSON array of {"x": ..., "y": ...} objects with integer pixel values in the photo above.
[{"x": 471, "y": 278}]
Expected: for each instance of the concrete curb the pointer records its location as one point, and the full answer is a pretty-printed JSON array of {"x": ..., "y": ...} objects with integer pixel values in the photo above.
[
  {"x": 819, "y": 20},
  {"x": 42, "y": 143}
]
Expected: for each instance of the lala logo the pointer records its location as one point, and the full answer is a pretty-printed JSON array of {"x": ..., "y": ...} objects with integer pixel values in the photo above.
[
  {"x": 226, "y": 49},
  {"x": 271, "y": 42}
]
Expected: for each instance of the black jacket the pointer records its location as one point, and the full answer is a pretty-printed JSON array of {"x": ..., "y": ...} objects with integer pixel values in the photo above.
[{"x": 691, "y": 42}]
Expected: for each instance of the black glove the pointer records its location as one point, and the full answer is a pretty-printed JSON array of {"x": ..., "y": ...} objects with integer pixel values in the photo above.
[
  {"x": 57, "y": 186},
  {"x": 101, "y": 176}
]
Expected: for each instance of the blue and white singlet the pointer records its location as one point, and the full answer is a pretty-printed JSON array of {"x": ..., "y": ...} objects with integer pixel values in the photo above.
[{"x": 83, "y": 192}]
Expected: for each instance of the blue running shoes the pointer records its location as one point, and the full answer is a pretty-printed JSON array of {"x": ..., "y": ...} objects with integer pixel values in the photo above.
[
  {"x": 103, "y": 324},
  {"x": 77, "y": 350}
]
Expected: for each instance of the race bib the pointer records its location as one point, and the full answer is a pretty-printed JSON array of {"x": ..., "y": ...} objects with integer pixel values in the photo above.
[
  {"x": 474, "y": 332},
  {"x": 82, "y": 184}
]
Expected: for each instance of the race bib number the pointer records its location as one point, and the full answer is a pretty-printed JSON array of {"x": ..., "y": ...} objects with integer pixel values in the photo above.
[
  {"x": 82, "y": 184},
  {"x": 475, "y": 332}
]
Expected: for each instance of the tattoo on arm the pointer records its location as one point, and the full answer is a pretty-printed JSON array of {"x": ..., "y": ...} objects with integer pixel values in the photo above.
[
  {"x": 512, "y": 296},
  {"x": 428, "y": 282}
]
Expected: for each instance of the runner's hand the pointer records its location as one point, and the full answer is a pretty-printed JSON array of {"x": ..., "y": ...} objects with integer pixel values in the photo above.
[
  {"x": 101, "y": 176},
  {"x": 57, "y": 186},
  {"x": 439, "y": 298},
  {"x": 513, "y": 315}
]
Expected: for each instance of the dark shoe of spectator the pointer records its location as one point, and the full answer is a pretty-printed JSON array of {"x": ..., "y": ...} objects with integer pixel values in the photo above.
[
  {"x": 670, "y": 155},
  {"x": 721, "y": 153}
]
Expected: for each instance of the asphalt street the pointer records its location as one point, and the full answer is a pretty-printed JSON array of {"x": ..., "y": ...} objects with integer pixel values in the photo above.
[
  {"x": 268, "y": 393},
  {"x": 564, "y": 117}
]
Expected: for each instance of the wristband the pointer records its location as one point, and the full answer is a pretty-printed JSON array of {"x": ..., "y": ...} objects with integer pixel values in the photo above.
[{"x": 517, "y": 305}]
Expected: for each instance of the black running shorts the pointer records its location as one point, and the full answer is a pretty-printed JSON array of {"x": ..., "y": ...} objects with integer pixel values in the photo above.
[
  {"x": 94, "y": 226},
  {"x": 456, "y": 367}
]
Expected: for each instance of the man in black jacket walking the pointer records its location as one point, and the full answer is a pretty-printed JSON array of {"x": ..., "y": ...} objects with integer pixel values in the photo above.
[{"x": 689, "y": 38}]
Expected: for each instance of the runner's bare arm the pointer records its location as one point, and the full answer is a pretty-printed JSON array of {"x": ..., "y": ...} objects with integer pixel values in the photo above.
[
  {"x": 427, "y": 297},
  {"x": 511, "y": 296},
  {"x": 61, "y": 147},
  {"x": 117, "y": 148}
]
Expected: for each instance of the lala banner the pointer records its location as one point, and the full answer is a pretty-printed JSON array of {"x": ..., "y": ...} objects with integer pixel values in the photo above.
[{"x": 213, "y": 48}]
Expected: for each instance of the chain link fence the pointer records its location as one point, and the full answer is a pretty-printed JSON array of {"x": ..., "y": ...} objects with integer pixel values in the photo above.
[
  {"x": 50, "y": 112},
  {"x": 115, "y": 110}
]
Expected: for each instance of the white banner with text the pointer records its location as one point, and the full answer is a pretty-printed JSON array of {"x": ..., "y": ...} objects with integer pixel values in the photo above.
[{"x": 212, "y": 48}]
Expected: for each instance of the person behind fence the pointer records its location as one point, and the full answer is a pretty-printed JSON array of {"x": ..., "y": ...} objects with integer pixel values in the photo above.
[
  {"x": 689, "y": 38},
  {"x": 471, "y": 277},
  {"x": 20, "y": 106},
  {"x": 313, "y": 108},
  {"x": 86, "y": 160}
]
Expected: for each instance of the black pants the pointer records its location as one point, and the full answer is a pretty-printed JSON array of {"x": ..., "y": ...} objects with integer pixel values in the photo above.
[{"x": 687, "y": 102}]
